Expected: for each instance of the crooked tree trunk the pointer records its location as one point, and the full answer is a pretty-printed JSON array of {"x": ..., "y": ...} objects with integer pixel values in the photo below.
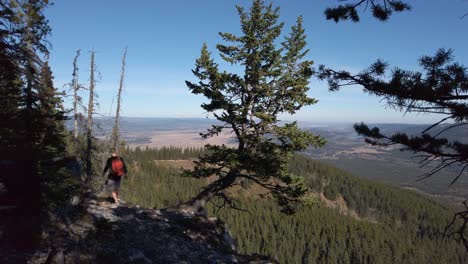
[
  {"x": 197, "y": 203},
  {"x": 115, "y": 130},
  {"x": 75, "y": 87},
  {"x": 89, "y": 126}
]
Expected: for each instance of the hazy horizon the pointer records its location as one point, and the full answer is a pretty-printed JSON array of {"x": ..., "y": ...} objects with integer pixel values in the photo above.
[
  {"x": 281, "y": 120},
  {"x": 165, "y": 38}
]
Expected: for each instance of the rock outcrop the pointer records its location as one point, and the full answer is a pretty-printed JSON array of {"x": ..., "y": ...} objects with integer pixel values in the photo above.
[{"x": 130, "y": 234}]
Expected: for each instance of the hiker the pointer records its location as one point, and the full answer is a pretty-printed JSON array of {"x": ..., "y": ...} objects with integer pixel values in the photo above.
[{"x": 117, "y": 170}]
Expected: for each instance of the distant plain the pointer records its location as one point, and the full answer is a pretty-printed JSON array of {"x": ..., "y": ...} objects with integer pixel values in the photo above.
[{"x": 344, "y": 149}]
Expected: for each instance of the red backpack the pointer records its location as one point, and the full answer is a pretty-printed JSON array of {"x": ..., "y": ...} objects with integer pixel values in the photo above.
[{"x": 118, "y": 167}]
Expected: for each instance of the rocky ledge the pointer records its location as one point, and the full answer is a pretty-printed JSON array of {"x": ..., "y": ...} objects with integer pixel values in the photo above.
[{"x": 130, "y": 234}]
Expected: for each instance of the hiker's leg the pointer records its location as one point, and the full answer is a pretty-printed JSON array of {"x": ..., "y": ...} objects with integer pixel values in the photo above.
[
  {"x": 115, "y": 195},
  {"x": 117, "y": 187}
]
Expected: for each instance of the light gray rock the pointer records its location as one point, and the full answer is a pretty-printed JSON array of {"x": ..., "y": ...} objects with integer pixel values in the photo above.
[
  {"x": 128, "y": 234},
  {"x": 75, "y": 200}
]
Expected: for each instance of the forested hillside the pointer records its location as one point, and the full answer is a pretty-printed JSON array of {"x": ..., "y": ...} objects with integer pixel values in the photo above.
[{"x": 388, "y": 225}]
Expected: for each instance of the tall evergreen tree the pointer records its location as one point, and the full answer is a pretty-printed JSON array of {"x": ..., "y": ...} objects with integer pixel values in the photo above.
[
  {"x": 52, "y": 148},
  {"x": 51, "y": 111},
  {"x": 31, "y": 115},
  {"x": 10, "y": 99},
  {"x": 274, "y": 81}
]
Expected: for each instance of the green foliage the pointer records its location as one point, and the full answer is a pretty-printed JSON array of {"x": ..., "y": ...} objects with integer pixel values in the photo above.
[
  {"x": 164, "y": 153},
  {"x": 151, "y": 185},
  {"x": 330, "y": 192},
  {"x": 60, "y": 186},
  {"x": 381, "y": 9},
  {"x": 393, "y": 225},
  {"x": 440, "y": 88},
  {"x": 32, "y": 133},
  {"x": 367, "y": 198},
  {"x": 274, "y": 81}
]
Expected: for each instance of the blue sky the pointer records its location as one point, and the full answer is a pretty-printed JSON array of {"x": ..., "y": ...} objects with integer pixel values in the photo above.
[{"x": 164, "y": 39}]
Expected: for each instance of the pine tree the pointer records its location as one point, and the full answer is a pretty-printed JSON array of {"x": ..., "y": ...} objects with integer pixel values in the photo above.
[
  {"x": 10, "y": 100},
  {"x": 381, "y": 9},
  {"x": 440, "y": 87},
  {"x": 52, "y": 113},
  {"x": 32, "y": 113},
  {"x": 57, "y": 187},
  {"x": 274, "y": 81}
]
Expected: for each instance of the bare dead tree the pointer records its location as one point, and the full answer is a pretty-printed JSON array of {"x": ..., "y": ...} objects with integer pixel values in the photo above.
[
  {"x": 76, "y": 99},
  {"x": 459, "y": 225},
  {"x": 89, "y": 121},
  {"x": 115, "y": 130}
]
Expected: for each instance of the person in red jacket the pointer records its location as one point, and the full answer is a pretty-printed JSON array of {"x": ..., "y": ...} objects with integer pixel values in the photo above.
[{"x": 117, "y": 169}]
